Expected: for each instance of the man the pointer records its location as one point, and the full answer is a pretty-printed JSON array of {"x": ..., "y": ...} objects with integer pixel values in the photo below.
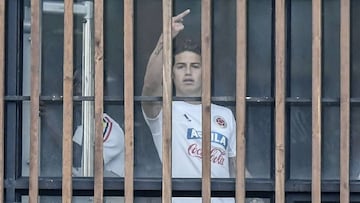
[{"x": 186, "y": 121}]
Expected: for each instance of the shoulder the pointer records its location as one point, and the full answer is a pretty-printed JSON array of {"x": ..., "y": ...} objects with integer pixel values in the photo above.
[{"x": 222, "y": 110}]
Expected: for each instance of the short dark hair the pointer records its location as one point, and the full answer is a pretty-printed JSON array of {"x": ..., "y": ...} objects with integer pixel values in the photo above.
[{"x": 186, "y": 44}]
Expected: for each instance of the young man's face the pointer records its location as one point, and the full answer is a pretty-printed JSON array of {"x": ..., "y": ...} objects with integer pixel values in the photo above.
[{"x": 187, "y": 74}]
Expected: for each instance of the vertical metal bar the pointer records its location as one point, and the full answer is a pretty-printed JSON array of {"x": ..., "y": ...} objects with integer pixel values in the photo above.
[
  {"x": 167, "y": 102},
  {"x": 88, "y": 90},
  {"x": 344, "y": 100},
  {"x": 206, "y": 98},
  {"x": 316, "y": 99},
  {"x": 129, "y": 98},
  {"x": 68, "y": 102},
  {"x": 99, "y": 100},
  {"x": 280, "y": 101},
  {"x": 34, "y": 102},
  {"x": 241, "y": 69},
  {"x": 2, "y": 97}
]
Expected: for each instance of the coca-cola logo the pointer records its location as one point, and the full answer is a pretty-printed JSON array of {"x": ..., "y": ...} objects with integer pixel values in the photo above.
[{"x": 217, "y": 155}]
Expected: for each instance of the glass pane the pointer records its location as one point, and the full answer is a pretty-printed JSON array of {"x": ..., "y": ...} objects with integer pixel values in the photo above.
[
  {"x": 113, "y": 48},
  {"x": 354, "y": 142},
  {"x": 300, "y": 49},
  {"x": 331, "y": 49},
  {"x": 224, "y": 48},
  {"x": 300, "y": 142},
  {"x": 331, "y": 143},
  {"x": 259, "y": 48},
  {"x": 355, "y": 51},
  {"x": 259, "y": 135}
]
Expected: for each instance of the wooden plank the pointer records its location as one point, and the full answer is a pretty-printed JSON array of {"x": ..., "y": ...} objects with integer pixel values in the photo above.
[
  {"x": 34, "y": 101},
  {"x": 241, "y": 64},
  {"x": 129, "y": 98},
  {"x": 99, "y": 100},
  {"x": 68, "y": 102},
  {"x": 206, "y": 98},
  {"x": 344, "y": 100},
  {"x": 2, "y": 97},
  {"x": 316, "y": 100},
  {"x": 167, "y": 103},
  {"x": 280, "y": 101}
]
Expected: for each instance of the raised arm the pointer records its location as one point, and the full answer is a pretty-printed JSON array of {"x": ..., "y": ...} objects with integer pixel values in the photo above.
[{"x": 153, "y": 75}]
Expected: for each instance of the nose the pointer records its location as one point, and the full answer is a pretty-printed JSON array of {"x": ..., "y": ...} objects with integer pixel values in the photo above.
[{"x": 188, "y": 70}]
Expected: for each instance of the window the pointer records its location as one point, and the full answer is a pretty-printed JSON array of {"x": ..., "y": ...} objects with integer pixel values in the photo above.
[{"x": 260, "y": 101}]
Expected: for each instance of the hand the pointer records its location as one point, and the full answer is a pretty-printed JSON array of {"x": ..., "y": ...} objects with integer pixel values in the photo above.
[{"x": 177, "y": 22}]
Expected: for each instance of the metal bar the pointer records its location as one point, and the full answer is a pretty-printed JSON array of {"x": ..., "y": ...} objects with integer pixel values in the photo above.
[
  {"x": 344, "y": 100},
  {"x": 129, "y": 99},
  {"x": 316, "y": 100},
  {"x": 68, "y": 103},
  {"x": 2, "y": 97},
  {"x": 59, "y": 7},
  {"x": 99, "y": 94},
  {"x": 206, "y": 98},
  {"x": 241, "y": 69},
  {"x": 88, "y": 90},
  {"x": 280, "y": 82},
  {"x": 34, "y": 101},
  {"x": 167, "y": 103},
  {"x": 230, "y": 100}
]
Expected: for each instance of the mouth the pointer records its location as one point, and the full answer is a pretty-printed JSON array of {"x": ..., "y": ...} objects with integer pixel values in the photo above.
[{"x": 188, "y": 81}]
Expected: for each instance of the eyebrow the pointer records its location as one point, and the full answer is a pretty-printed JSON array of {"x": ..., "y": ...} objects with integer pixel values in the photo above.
[{"x": 180, "y": 63}]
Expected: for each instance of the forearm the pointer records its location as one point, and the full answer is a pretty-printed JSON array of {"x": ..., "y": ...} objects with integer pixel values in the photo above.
[{"x": 153, "y": 75}]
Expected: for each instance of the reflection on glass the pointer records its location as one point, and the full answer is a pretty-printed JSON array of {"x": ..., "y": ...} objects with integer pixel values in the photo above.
[{"x": 52, "y": 86}]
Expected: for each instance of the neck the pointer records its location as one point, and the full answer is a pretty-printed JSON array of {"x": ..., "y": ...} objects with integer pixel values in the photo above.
[{"x": 190, "y": 95}]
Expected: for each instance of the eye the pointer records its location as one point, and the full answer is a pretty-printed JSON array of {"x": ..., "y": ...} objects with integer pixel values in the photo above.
[
  {"x": 196, "y": 65},
  {"x": 179, "y": 66}
]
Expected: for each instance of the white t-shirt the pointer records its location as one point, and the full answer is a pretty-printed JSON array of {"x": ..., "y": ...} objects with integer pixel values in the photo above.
[
  {"x": 186, "y": 142},
  {"x": 113, "y": 146}
]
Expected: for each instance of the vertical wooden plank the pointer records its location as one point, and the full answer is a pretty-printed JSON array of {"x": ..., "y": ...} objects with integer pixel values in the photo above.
[
  {"x": 316, "y": 100},
  {"x": 68, "y": 102},
  {"x": 206, "y": 98},
  {"x": 2, "y": 97},
  {"x": 344, "y": 100},
  {"x": 129, "y": 98},
  {"x": 34, "y": 101},
  {"x": 99, "y": 100},
  {"x": 241, "y": 62},
  {"x": 167, "y": 102},
  {"x": 280, "y": 101}
]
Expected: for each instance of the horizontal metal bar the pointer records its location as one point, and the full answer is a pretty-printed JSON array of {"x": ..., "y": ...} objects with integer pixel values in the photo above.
[
  {"x": 254, "y": 100},
  {"x": 188, "y": 184},
  {"x": 179, "y": 185}
]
